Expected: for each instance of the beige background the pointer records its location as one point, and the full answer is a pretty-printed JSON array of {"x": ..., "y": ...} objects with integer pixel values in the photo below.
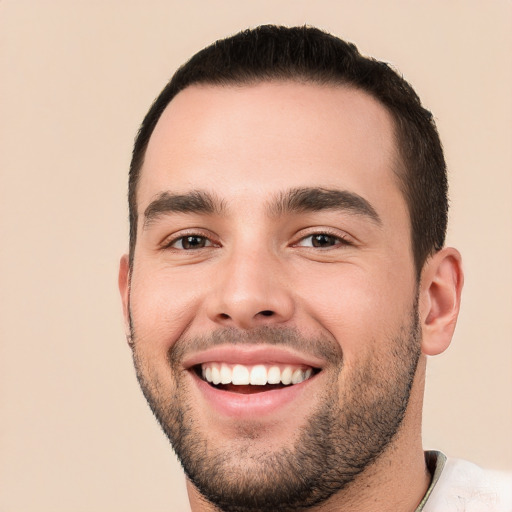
[{"x": 76, "y": 80}]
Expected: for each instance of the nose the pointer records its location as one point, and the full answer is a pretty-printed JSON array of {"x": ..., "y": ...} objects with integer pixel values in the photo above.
[{"x": 250, "y": 291}]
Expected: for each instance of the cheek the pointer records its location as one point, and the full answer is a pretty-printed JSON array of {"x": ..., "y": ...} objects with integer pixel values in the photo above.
[
  {"x": 162, "y": 304},
  {"x": 357, "y": 306}
]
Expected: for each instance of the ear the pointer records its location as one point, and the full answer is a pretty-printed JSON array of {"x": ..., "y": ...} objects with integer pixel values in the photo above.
[
  {"x": 440, "y": 290},
  {"x": 124, "y": 290}
]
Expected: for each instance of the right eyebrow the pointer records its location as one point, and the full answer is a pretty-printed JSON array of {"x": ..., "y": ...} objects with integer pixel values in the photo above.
[
  {"x": 195, "y": 201},
  {"x": 313, "y": 199}
]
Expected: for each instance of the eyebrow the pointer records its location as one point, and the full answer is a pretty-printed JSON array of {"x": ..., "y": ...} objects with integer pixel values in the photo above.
[
  {"x": 195, "y": 201},
  {"x": 311, "y": 199},
  {"x": 296, "y": 200}
]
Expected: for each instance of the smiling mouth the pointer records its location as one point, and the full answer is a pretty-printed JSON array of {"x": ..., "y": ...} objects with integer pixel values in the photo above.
[{"x": 244, "y": 379}]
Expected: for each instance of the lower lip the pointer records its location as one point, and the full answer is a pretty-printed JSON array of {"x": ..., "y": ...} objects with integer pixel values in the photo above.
[{"x": 250, "y": 405}]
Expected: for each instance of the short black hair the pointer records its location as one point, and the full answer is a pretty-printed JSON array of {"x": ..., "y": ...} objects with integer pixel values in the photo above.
[{"x": 307, "y": 54}]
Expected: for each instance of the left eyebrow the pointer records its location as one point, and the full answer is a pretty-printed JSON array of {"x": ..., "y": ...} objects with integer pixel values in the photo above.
[
  {"x": 193, "y": 202},
  {"x": 311, "y": 199}
]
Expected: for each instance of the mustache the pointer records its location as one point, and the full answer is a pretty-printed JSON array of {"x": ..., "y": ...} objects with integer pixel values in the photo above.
[{"x": 319, "y": 346}]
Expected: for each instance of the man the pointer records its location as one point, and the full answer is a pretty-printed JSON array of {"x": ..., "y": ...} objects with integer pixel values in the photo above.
[{"x": 287, "y": 278}]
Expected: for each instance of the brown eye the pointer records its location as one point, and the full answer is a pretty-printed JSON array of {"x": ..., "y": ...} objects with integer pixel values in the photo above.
[
  {"x": 323, "y": 240},
  {"x": 191, "y": 242}
]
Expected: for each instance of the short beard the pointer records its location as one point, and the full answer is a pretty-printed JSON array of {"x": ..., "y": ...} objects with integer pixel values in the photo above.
[{"x": 343, "y": 436}]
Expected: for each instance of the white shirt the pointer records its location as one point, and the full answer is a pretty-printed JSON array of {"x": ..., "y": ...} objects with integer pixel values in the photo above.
[{"x": 460, "y": 486}]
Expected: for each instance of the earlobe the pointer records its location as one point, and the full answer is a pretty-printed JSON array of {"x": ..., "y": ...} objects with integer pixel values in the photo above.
[
  {"x": 441, "y": 286},
  {"x": 124, "y": 290}
]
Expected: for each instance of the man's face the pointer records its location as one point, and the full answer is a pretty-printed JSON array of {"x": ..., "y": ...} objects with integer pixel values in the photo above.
[{"x": 273, "y": 245}]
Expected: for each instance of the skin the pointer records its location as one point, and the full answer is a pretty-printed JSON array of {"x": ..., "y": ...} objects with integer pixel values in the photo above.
[{"x": 247, "y": 146}]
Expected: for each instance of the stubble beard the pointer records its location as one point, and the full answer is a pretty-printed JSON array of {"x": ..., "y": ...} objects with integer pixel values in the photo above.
[{"x": 349, "y": 429}]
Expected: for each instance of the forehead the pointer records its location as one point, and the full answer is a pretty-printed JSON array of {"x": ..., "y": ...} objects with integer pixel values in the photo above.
[{"x": 270, "y": 135}]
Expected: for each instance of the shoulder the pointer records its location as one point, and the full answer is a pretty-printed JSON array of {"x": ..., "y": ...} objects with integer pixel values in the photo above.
[{"x": 465, "y": 487}]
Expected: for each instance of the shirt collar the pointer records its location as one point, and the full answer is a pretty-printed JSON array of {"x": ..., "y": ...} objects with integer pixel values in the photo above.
[{"x": 435, "y": 463}]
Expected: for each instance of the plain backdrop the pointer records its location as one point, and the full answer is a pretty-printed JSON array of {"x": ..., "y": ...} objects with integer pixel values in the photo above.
[{"x": 76, "y": 78}]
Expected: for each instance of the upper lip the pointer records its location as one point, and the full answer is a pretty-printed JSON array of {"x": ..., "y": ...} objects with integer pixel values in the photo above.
[{"x": 252, "y": 355}]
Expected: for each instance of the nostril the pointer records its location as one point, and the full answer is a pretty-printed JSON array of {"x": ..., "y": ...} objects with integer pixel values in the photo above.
[
  {"x": 224, "y": 316},
  {"x": 266, "y": 313}
]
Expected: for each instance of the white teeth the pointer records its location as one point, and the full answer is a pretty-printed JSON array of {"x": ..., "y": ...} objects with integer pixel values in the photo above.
[
  {"x": 286, "y": 376},
  {"x": 297, "y": 376},
  {"x": 274, "y": 375},
  {"x": 240, "y": 375},
  {"x": 225, "y": 374},
  {"x": 257, "y": 375},
  {"x": 215, "y": 374}
]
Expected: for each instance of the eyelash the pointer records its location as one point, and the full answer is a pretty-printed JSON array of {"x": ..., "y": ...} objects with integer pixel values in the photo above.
[
  {"x": 169, "y": 243},
  {"x": 339, "y": 239}
]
